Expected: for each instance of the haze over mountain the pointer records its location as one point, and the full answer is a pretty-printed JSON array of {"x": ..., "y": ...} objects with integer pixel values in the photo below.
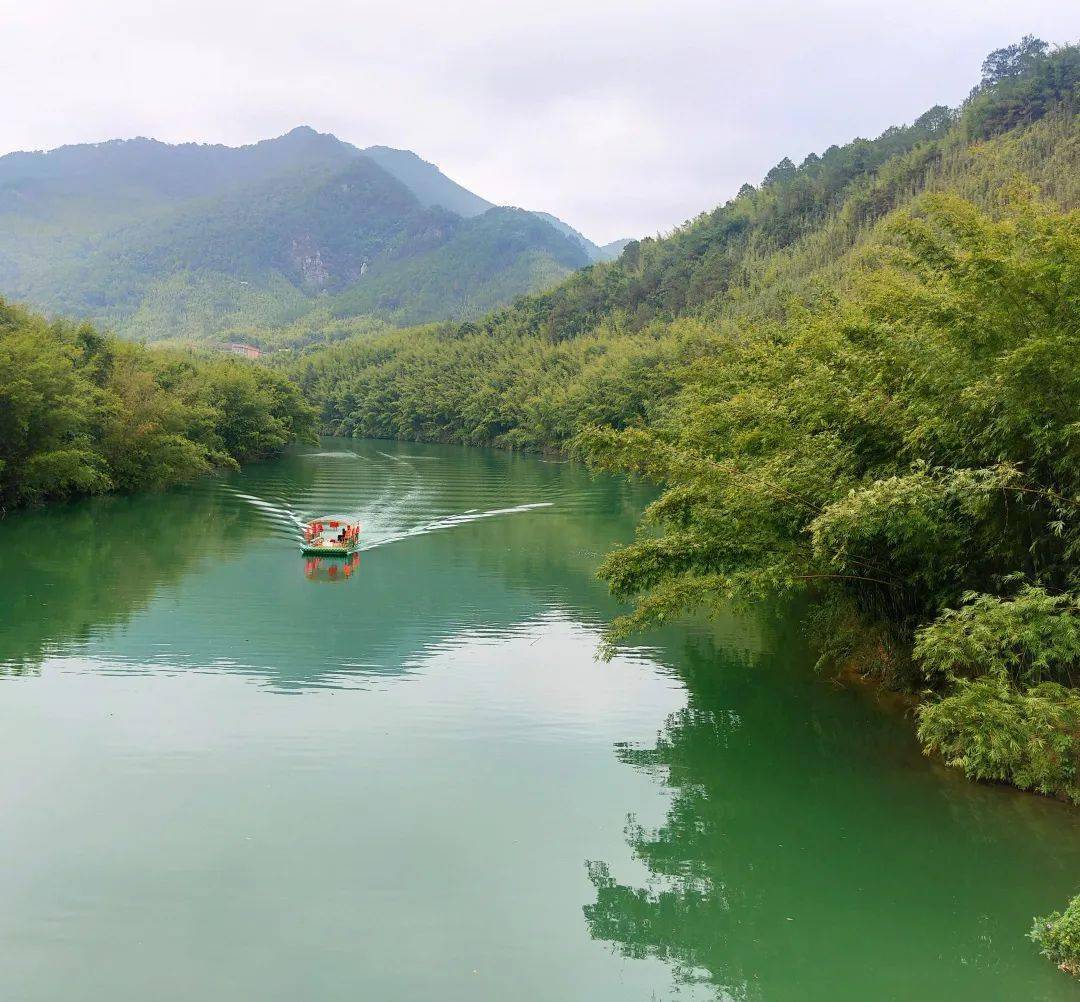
[{"x": 196, "y": 240}]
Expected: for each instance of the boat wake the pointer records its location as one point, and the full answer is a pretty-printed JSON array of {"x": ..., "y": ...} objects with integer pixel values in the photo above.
[
  {"x": 374, "y": 534},
  {"x": 369, "y": 541},
  {"x": 279, "y": 512},
  {"x": 333, "y": 455}
]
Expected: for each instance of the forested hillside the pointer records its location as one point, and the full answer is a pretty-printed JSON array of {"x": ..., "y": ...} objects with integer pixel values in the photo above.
[
  {"x": 85, "y": 413},
  {"x": 209, "y": 242},
  {"x": 858, "y": 380},
  {"x": 592, "y": 349}
]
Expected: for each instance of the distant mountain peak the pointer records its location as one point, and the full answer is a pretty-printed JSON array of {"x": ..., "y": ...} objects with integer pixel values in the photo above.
[
  {"x": 429, "y": 184},
  {"x": 608, "y": 252},
  {"x": 306, "y": 134}
]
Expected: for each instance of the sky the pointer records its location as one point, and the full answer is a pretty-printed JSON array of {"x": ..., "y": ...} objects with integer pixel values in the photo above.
[{"x": 623, "y": 118}]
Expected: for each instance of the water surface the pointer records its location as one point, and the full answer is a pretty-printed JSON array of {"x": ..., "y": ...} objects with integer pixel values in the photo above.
[{"x": 234, "y": 774}]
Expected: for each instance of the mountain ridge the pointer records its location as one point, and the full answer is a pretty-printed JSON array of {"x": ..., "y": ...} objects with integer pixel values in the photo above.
[{"x": 189, "y": 240}]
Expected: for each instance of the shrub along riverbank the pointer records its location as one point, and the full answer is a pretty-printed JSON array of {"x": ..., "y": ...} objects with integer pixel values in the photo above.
[
  {"x": 860, "y": 380},
  {"x": 84, "y": 413}
]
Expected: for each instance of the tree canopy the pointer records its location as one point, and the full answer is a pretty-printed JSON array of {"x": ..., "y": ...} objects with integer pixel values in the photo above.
[{"x": 84, "y": 413}]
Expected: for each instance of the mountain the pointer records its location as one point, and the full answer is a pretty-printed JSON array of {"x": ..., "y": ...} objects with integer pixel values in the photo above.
[
  {"x": 478, "y": 267},
  {"x": 196, "y": 241},
  {"x": 432, "y": 187},
  {"x": 610, "y": 251},
  {"x": 607, "y": 252}
]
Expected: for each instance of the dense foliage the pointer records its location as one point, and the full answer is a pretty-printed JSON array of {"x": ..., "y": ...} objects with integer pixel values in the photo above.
[
  {"x": 84, "y": 413},
  {"x": 895, "y": 448},
  {"x": 1058, "y": 934}
]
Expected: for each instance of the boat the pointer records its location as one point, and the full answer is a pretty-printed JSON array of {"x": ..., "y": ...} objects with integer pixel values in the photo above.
[{"x": 330, "y": 536}]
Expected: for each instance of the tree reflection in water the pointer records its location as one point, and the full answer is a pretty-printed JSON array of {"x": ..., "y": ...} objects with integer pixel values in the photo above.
[
  {"x": 71, "y": 571},
  {"x": 682, "y": 916},
  {"x": 809, "y": 851}
]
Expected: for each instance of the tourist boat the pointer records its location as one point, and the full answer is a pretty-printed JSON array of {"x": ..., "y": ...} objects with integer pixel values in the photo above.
[{"x": 330, "y": 536}]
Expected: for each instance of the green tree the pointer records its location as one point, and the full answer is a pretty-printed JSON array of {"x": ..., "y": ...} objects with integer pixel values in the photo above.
[{"x": 81, "y": 413}]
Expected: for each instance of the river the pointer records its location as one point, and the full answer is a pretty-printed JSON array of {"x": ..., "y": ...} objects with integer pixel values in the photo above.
[{"x": 230, "y": 773}]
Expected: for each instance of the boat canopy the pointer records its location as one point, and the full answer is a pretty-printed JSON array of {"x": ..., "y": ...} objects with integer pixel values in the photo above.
[{"x": 333, "y": 521}]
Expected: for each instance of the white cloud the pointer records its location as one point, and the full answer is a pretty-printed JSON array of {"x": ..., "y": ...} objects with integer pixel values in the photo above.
[{"x": 621, "y": 117}]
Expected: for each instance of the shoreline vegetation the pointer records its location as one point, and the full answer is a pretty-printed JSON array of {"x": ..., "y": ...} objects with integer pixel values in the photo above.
[
  {"x": 858, "y": 381},
  {"x": 83, "y": 413}
]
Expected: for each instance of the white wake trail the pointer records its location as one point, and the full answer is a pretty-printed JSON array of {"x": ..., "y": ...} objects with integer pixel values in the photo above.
[
  {"x": 447, "y": 522},
  {"x": 375, "y": 530},
  {"x": 281, "y": 512}
]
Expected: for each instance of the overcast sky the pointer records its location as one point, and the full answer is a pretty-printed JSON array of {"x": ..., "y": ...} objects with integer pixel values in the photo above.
[{"x": 623, "y": 118}]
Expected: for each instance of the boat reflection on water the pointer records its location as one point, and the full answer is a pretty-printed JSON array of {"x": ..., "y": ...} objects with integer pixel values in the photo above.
[{"x": 331, "y": 568}]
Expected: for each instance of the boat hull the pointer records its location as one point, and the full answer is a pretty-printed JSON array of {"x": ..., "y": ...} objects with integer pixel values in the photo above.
[{"x": 327, "y": 551}]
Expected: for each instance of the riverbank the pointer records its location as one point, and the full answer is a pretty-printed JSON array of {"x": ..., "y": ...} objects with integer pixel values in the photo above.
[{"x": 83, "y": 413}]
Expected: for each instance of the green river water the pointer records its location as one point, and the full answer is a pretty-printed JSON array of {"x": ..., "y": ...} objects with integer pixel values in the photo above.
[{"x": 232, "y": 775}]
